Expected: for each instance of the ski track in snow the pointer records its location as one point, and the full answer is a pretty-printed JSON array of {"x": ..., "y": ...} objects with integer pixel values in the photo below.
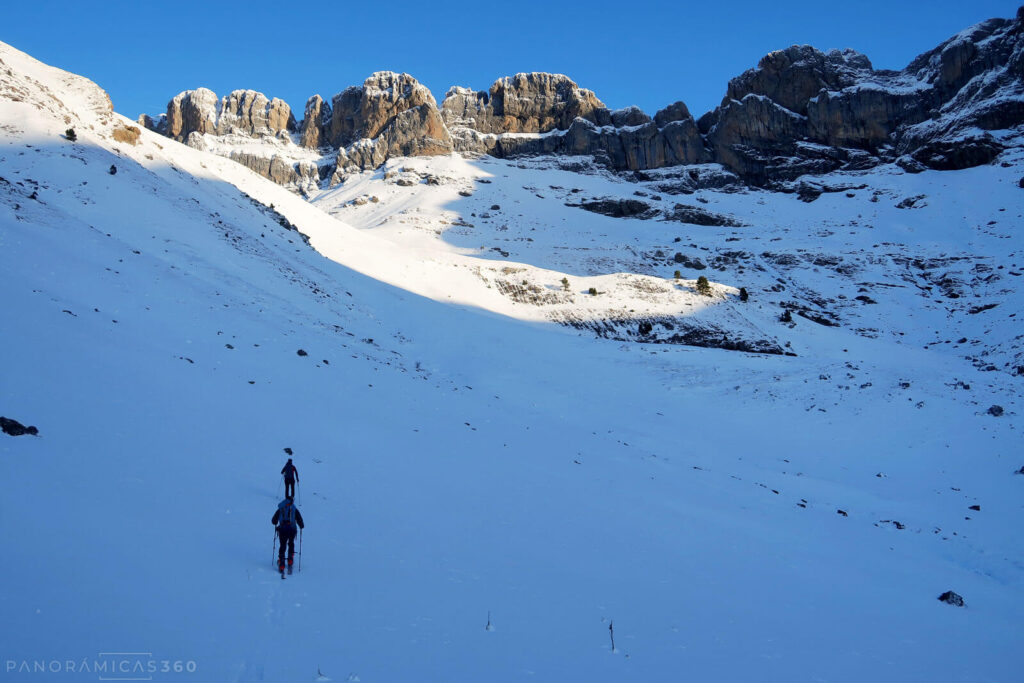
[{"x": 738, "y": 516}]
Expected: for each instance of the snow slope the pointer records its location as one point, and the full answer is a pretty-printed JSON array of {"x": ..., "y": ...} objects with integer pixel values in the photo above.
[{"x": 465, "y": 464}]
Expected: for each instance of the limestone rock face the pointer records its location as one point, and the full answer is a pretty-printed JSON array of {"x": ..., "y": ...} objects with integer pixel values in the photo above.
[
  {"x": 791, "y": 77},
  {"x": 244, "y": 112},
  {"x": 283, "y": 171},
  {"x": 192, "y": 111},
  {"x": 248, "y": 112},
  {"x": 157, "y": 125},
  {"x": 364, "y": 112},
  {"x": 315, "y": 123},
  {"x": 822, "y": 111},
  {"x": 799, "y": 111},
  {"x": 390, "y": 115},
  {"x": 524, "y": 103},
  {"x": 570, "y": 120}
]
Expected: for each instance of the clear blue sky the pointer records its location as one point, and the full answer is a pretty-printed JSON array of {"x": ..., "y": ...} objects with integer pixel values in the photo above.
[{"x": 647, "y": 53}]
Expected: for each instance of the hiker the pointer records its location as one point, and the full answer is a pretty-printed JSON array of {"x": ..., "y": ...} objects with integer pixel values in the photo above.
[
  {"x": 286, "y": 517},
  {"x": 291, "y": 476}
]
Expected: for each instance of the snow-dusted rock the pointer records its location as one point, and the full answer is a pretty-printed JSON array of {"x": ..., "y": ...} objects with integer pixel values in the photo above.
[
  {"x": 315, "y": 122},
  {"x": 251, "y": 113},
  {"x": 525, "y": 103},
  {"x": 244, "y": 112}
]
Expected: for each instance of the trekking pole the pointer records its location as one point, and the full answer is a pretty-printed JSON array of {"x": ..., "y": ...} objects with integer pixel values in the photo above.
[
  {"x": 274, "y": 551},
  {"x": 300, "y": 549}
]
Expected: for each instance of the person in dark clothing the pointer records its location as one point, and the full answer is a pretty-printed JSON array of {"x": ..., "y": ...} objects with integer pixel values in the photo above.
[
  {"x": 291, "y": 476},
  {"x": 286, "y": 518}
]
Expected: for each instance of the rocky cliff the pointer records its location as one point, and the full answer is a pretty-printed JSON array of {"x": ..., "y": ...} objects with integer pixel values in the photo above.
[
  {"x": 799, "y": 111},
  {"x": 389, "y": 115},
  {"x": 802, "y": 110}
]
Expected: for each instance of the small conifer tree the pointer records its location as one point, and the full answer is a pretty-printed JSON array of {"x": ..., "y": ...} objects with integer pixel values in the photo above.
[
  {"x": 703, "y": 286},
  {"x": 743, "y": 294},
  {"x": 70, "y": 134},
  {"x": 678, "y": 275},
  {"x": 565, "y": 283},
  {"x": 592, "y": 291}
]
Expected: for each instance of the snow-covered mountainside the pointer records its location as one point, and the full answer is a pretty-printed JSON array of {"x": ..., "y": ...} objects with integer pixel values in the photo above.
[{"x": 504, "y": 475}]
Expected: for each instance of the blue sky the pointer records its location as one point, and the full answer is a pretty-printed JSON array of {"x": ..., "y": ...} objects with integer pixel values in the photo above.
[{"x": 644, "y": 53}]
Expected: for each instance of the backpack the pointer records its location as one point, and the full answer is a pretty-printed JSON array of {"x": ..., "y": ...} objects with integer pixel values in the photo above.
[{"x": 286, "y": 520}]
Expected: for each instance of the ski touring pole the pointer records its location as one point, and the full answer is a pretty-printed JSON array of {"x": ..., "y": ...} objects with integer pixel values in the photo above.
[
  {"x": 274, "y": 551},
  {"x": 300, "y": 550}
]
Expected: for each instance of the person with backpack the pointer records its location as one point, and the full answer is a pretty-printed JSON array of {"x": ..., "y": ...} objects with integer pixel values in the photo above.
[
  {"x": 286, "y": 518},
  {"x": 291, "y": 476}
]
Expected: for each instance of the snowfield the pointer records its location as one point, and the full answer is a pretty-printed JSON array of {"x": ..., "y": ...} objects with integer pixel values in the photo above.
[{"x": 499, "y": 473}]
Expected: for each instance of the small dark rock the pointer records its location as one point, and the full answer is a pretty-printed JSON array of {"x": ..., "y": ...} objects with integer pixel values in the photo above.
[
  {"x": 495, "y": 207},
  {"x": 302, "y": 352},
  {"x": 951, "y": 598},
  {"x": 644, "y": 328},
  {"x": 995, "y": 411},
  {"x": 842, "y": 512},
  {"x": 15, "y": 428},
  {"x": 976, "y": 508},
  {"x": 618, "y": 208},
  {"x": 113, "y": 170}
]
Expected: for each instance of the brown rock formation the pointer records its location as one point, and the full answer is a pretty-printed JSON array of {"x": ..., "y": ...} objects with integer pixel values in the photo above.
[
  {"x": 524, "y": 103},
  {"x": 315, "y": 123}
]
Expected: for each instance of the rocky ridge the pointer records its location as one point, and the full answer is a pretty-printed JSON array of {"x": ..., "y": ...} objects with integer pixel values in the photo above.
[{"x": 800, "y": 111}]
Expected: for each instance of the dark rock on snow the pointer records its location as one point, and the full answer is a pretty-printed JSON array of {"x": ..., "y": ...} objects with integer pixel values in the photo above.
[
  {"x": 951, "y": 598},
  {"x": 15, "y": 428}
]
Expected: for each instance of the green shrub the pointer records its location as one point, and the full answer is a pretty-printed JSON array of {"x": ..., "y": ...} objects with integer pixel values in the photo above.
[
  {"x": 70, "y": 134},
  {"x": 743, "y": 294},
  {"x": 703, "y": 286},
  {"x": 678, "y": 275},
  {"x": 592, "y": 291},
  {"x": 565, "y": 283}
]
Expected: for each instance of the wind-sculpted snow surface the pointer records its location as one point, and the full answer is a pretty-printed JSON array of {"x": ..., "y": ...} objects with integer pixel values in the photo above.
[{"x": 487, "y": 494}]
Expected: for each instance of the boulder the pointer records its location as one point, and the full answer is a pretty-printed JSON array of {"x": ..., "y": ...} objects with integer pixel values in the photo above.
[
  {"x": 951, "y": 598},
  {"x": 15, "y": 428}
]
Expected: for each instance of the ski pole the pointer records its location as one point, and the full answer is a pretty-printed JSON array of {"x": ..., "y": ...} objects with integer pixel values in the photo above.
[
  {"x": 300, "y": 549},
  {"x": 274, "y": 551}
]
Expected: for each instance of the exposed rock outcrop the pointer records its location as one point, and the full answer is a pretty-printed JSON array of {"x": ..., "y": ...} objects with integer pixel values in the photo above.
[
  {"x": 804, "y": 111},
  {"x": 390, "y": 115},
  {"x": 242, "y": 112},
  {"x": 365, "y": 112},
  {"x": 315, "y": 123},
  {"x": 800, "y": 111},
  {"x": 540, "y": 113},
  {"x": 524, "y": 103}
]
